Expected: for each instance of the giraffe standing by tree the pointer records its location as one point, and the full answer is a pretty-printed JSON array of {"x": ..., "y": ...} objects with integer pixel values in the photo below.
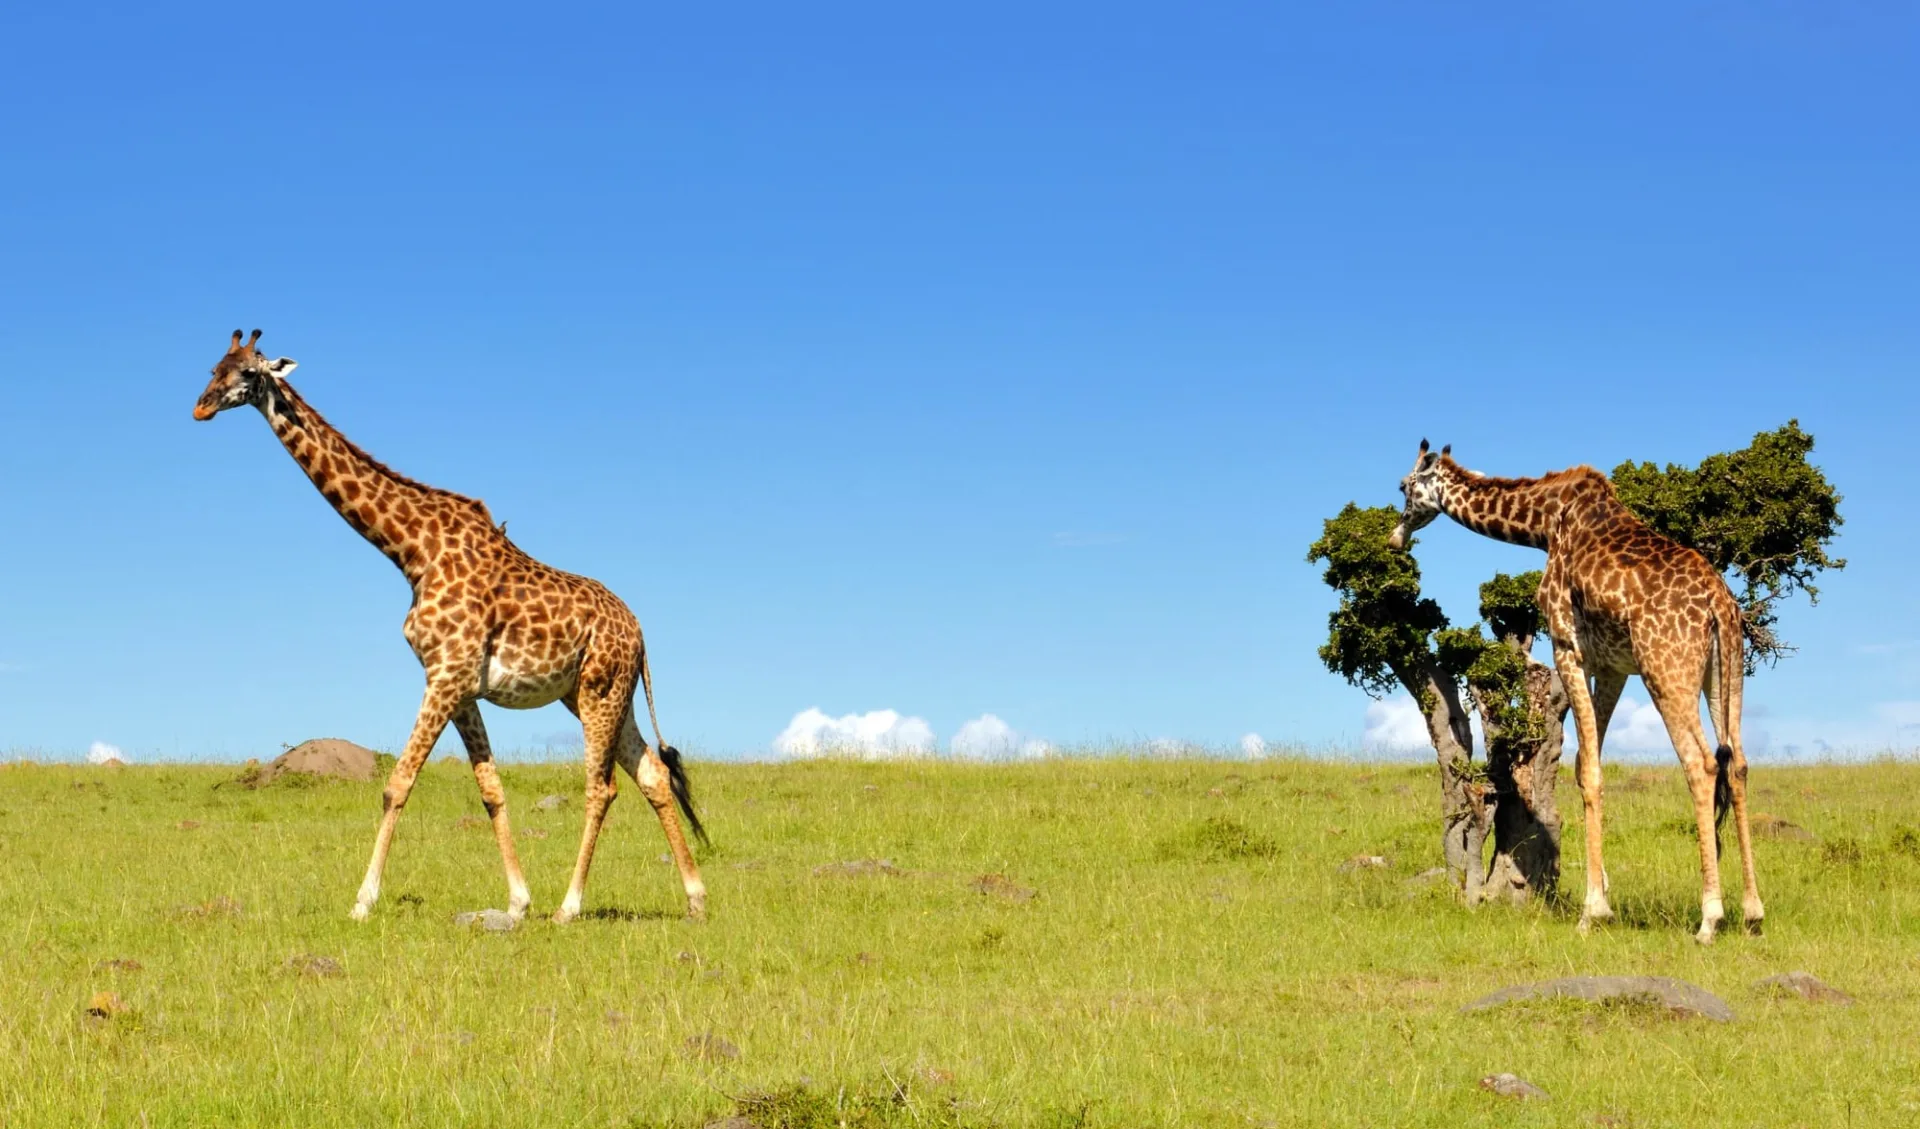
[
  {"x": 1618, "y": 599},
  {"x": 489, "y": 623}
]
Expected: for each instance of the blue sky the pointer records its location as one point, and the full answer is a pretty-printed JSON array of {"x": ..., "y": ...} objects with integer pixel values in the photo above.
[{"x": 1001, "y": 359}]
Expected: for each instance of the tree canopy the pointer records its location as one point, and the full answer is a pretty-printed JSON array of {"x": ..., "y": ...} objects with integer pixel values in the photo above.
[
  {"x": 1763, "y": 513},
  {"x": 1383, "y": 627}
]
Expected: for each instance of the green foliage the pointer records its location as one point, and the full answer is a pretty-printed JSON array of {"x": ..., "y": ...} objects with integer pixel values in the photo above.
[
  {"x": 1509, "y": 606},
  {"x": 1496, "y": 672},
  {"x": 1383, "y": 624},
  {"x": 1763, "y": 513},
  {"x": 1219, "y": 839}
]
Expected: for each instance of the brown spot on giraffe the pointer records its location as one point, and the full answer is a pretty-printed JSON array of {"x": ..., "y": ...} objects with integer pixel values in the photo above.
[
  {"x": 473, "y": 647},
  {"x": 1619, "y": 599}
]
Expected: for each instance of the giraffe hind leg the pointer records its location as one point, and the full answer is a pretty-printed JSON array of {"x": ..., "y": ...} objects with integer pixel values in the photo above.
[
  {"x": 651, "y": 773},
  {"x": 1682, "y": 715}
]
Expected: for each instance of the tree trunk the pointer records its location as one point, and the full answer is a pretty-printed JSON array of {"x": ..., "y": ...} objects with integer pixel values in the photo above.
[
  {"x": 1526, "y": 824},
  {"x": 1464, "y": 811}
]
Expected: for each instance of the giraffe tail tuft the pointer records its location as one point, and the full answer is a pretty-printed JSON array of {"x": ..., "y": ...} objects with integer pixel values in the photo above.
[
  {"x": 1722, "y": 791},
  {"x": 683, "y": 792}
]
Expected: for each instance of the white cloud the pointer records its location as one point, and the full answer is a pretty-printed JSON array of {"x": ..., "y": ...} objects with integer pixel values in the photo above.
[
  {"x": 1637, "y": 727},
  {"x": 988, "y": 738},
  {"x": 1253, "y": 746},
  {"x": 1395, "y": 724},
  {"x": 101, "y": 753},
  {"x": 876, "y": 735}
]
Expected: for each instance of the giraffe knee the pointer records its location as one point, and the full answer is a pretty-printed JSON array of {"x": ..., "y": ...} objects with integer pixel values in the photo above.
[{"x": 491, "y": 793}]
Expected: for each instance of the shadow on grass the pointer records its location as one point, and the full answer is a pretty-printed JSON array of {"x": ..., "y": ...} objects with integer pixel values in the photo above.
[{"x": 621, "y": 913}]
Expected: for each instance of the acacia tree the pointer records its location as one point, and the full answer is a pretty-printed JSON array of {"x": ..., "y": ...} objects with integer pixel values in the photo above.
[
  {"x": 1763, "y": 515},
  {"x": 1386, "y": 635}
]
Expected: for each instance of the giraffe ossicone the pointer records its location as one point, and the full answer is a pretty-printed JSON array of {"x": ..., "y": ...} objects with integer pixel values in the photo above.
[
  {"x": 1618, "y": 599},
  {"x": 488, "y": 623}
]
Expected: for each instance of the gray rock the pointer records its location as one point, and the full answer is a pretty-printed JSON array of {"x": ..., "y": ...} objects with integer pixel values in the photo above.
[
  {"x": 1435, "y": 876},
  {"x": 315, "y": 967},
  {"x": 1804, "y": 985},
  {"x": 1676, "y": 996},
  {"x": 491, "y": 920},
  {"x": 1512, "y": 1086},
  {"x": 548, "y": 803}
]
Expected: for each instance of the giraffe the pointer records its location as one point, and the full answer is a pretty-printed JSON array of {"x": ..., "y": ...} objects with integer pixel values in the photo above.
[
  {"x": 1618, "y": 599},
  {"x": 488, "y": 623}
]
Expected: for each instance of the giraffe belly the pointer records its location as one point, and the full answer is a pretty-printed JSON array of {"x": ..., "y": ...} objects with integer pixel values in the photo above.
[{"x": 519, "y": 685}]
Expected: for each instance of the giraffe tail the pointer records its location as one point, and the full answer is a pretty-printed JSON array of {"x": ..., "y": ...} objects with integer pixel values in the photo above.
[
  {"x": 1726, "y": 669},
  {"x": 670, "y": 756},
  {"x": 683, "y": 792}
]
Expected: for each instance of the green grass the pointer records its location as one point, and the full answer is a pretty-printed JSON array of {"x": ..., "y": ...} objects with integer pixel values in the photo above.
[{"x": 1192, "y": 955}]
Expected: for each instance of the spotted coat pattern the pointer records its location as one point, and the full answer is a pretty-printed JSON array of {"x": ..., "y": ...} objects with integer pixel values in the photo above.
[
  {"x": 1619, "y": 599},
  {"x": 488, "y": 623}
]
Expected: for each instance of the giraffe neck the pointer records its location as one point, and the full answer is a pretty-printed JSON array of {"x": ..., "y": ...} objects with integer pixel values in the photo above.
[
  {"x": 409, "y": 522},
  {"x": 1519, "y": 511}
]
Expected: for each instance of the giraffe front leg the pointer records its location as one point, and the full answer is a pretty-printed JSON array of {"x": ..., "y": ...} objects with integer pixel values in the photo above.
[
  {"x": 1573, "y": 677},
  {"x": 435, "y": 710},
  {"x": 473, "y": 734}
]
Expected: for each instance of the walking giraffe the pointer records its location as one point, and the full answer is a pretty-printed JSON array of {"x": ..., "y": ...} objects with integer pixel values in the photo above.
[
  {"x": 1618, "y": 599},
  {"x": 489, "y": 623}
]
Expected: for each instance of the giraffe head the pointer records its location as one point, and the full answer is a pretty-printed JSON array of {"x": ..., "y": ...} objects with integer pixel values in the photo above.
[
  {"x": 241, "y": 377},
  {"x": 1421, "y": 488}
]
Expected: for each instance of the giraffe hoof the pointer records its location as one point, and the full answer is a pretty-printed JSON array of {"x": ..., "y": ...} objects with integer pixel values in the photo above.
[
  {"x": 1705, "y": 936},
  {"x": 564, "y": 916},
  {"x": 359, "y": 911}
]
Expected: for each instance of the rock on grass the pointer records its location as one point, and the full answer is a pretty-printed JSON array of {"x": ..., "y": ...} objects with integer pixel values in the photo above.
[
  {"x": 1676, "y": 996},
  {"x": 1802, "y": 985},
  {"x": 488, "y": 920},
  {"x": 315, "y": 967},
  {"x": 1512, "y": 1086}
]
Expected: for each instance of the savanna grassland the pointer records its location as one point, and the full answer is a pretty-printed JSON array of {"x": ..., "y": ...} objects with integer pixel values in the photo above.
[{"x": 1167, "y": 942}]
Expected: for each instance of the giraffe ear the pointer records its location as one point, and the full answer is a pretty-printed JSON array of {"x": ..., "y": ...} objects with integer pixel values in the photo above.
[{"x": 282, "y": 366}]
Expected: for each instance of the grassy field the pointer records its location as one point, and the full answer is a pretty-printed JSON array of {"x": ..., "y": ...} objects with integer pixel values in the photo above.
[{"x": 1190, "y": 954}]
